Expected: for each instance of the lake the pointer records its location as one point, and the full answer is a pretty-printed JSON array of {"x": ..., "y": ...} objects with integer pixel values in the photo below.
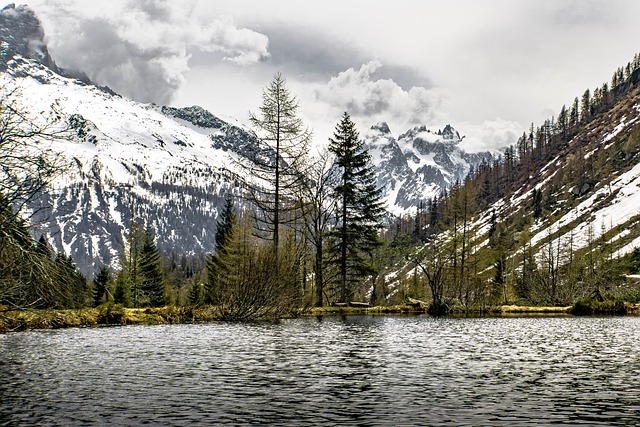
[{"x": 359, "y": 370}]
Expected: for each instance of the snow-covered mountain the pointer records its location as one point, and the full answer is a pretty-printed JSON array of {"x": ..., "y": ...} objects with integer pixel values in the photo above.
[
  {"x": 167, "y": 166},
  {"x": 170, "y": 167},
  {"x": 419, "y": 164}
]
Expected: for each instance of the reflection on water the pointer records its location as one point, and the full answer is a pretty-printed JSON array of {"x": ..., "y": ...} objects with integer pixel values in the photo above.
[{"x": 330, "y": 371}]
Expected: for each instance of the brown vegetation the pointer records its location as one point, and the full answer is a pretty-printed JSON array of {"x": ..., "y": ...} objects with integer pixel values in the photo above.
[{"x": 105, "y": 315}]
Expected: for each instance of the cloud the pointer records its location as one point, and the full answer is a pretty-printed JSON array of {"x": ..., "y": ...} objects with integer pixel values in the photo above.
[
  {"x": 489, "y": 135},
  {"x": 142, "y": 48},
  {"x": 306, "y": 52},
  {"x": 369, "y": 99}
]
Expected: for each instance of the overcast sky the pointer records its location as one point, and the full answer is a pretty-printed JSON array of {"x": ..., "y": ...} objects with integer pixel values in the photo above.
[{"x": 487, "y": 67}]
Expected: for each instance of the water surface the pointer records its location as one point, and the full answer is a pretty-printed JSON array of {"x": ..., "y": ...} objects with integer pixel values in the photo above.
[{"x": 332, "y": 371}]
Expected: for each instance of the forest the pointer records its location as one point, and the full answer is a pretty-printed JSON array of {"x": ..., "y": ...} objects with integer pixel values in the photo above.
[{"x": 311, "y": 230}]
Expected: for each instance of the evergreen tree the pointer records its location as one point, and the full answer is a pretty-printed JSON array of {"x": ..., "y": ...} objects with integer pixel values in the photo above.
[
  {"x": 73, "y": 286},
  {"x": 224, "y": 228},
  {"x": 150, "y": 270},
  {"x": 492, "y": 228},
  {"x": 196, "y": 293},
  {"x": 434, "y": 215},
  {"x": 360, "y": 206},
  {"x": 585, "y": 107},
  {"x": 574, "y": 114},
  {"x": 122, "y": 294},
  {"x": 131, "y": 261},
  {"x": 43, "y": 247},
  {"x": 224, "y": 234},
  {"x": 100, "y": 285},
  {"x": 563, "y": 122},
  {"x": 537, "y": 203}
]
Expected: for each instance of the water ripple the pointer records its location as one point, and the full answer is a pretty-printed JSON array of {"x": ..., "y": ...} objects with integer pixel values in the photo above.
[{"x": 364, "y": 371}]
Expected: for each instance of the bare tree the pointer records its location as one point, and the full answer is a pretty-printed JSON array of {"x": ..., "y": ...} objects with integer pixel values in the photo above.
[
  {"x": 318, "y": 209},
  {"x": 435, "y": 261},
  {"x": 249, "y": 289},
  {"x": 27, "y": 163},
  {"x": 273, "y": 174}
]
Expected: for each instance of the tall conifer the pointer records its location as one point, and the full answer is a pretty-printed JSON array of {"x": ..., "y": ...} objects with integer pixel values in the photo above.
[
  {"x": 150, "y": 270},
  {"x": 225, "y": 229},
  {"x": 360, "y": 206}
]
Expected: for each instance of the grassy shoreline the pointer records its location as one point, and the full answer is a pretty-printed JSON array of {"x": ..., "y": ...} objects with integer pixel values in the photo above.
[
  {"x": 114, "y": 315},
  {"x": 422, "y": 309},
  {"x": 106, "y": 315}
]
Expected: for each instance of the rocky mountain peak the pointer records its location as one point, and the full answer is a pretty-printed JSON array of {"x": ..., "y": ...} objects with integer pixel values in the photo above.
[
  {"x": 450, "y": 134},
  {"x": 381, "y": 127},
  {"x": 195, "y": 115},
  {"x": 22, "y": 35},
  {"x": 419, "y": 164}
]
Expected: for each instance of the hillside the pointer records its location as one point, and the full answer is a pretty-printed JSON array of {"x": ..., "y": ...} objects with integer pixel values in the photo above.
[{"x": 554, "y": 220}]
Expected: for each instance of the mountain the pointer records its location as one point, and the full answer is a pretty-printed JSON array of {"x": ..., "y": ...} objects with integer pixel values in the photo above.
[
  {"x": 419, "y": 164},
  {"x": 168, "y": 166},
  {"x": 22, "y": 36},
  {"x": 171, "y": 167}
]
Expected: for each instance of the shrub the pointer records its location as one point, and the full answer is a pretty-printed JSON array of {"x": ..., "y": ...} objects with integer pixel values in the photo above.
[{"x": 590, "y": 306}]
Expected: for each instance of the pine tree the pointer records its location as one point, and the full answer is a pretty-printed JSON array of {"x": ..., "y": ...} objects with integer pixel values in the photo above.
[
  {"x": 72, "y": 286},
  {"x": 131, "y": 262},
  {"x": 563, "y": 122},
  {"x": 100, "y": 286},
  {"x": 360, "y": 206},
  {"x": 196, "y": 291},
  {"x": 574, "y": 114},
  {"x": 224, "y": 234},
  {"x": 224, "y": 228},
  {"x": 122, "y": 293},
  {"x": 537, "y": 203},
  {"x": 43, "y": 247},
  {"x": 585, "y": 107},
  {"x": 150, "y": 270}
]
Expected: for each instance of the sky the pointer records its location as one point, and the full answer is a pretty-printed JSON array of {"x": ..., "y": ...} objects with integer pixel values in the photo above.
[{"x": 489, "y": 68}]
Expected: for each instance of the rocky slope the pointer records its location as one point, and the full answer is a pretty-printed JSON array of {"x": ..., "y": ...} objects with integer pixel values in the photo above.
[{"x": 419, "y": 164}]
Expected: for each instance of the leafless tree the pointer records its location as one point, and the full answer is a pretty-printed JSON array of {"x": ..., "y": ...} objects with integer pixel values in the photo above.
[
  {"x": 27, "y": 162},
  {"x": 272, "y": 174}
]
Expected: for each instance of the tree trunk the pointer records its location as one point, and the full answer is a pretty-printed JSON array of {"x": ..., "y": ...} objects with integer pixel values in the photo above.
[
  {"x": 343, "y": 253},
  {"x": 319, "y": 275}
]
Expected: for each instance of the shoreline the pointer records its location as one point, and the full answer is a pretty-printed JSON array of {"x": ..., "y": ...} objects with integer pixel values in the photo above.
[
  {"x": 413, "y": 309},
  {"x": 114, "y": 315},
  {"x": 102, "y": 316}
]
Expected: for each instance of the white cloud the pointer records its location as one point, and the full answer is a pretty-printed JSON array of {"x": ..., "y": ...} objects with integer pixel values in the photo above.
[
  {"x": 469, "y": 61},
  {"x": 364, "y": 97},
  {"x": 243, "y": 46},
  {"x": 489, "y": 135},
  {"x": 142, "y": 48}
]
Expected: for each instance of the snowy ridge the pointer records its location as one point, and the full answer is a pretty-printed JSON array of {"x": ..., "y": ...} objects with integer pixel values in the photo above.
[
  {"x": 419, "y": 165},
  {"x": 124, "y": 157}
]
